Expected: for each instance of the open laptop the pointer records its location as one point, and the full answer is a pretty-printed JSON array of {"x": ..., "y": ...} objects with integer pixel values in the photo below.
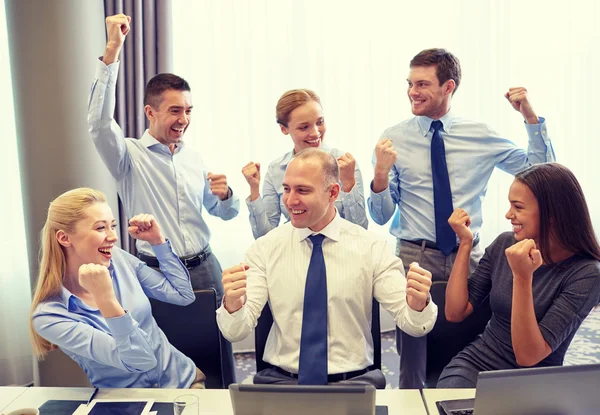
[
  {"x": 561, "y": 390},
  {"x": 296, "y": 400}
]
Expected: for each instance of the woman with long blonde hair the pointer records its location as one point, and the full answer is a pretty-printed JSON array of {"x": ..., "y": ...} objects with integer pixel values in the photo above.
[
  {"x": 91, "y": 299},
  {"x": 300, "y": 115}
]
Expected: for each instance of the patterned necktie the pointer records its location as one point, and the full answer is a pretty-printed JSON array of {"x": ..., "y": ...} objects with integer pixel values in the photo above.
[
  {"x": 312, "y": 368},
  {"x": 442, "y": 195}
]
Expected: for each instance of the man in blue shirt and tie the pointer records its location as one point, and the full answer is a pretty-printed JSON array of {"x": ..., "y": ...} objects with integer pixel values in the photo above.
[
  {"x": 159, "y": 173},
  {"x": 434, "y": 163}
]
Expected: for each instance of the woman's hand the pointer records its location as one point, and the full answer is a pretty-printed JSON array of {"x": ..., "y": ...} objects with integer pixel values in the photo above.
[{"x": 145, "y": 228}]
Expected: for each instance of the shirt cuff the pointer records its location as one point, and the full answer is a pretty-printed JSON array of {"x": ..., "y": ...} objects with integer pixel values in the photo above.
[
  {"x": 227, "y": 203},
  {"x": 537, "y": 130},
  {"x": 163, "y": 251},
  {"x": 350, "y": 198},
  {"x": 255, "y": 207},
  {"x": 425, "y": 319},
  {"x": 381, "y": 196},
  {"x": 121, "y": 326},
  {"x": 227, "y": 320},
  {"x": 107, "y": 73}
]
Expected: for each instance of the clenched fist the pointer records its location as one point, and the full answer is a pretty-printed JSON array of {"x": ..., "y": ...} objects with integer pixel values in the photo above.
[
  {"x": 145, "y": 228},
  {"x": 251, "y": 172},
  {"x": 524, "y": 258},
  {"x": 520, "y": 102},
  {"x": 385, "y": 155},
  {"x": 117, "y": 28},
  {"x": 96, "y": 280},
  {"x": 218, "y": 185},
  {"x": 460, "y": 221},
  {"x": 347, "y": 166},
  {"x": 234, "y": 287},
  {"x": 418, "y": 284}
]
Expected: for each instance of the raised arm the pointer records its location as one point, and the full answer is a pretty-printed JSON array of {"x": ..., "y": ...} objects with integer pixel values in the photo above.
[
  {"x": 104, "y": 131},
  {"x": 351, "y": 203},
  {"x": 246, "y": 294},
  {"x": 126, "y": 347},
  {"x": 264, "y": 212},
  {"x": 458, "y": 306},
  {"x": 172, "y": 284},
  {"x": 539, "y": 148},
  {"x": 529, "y": 345},
  {"x": 219, "y": 199},
  {"x": 385, "y": 192},
  {"x": 406, "y": 299}
]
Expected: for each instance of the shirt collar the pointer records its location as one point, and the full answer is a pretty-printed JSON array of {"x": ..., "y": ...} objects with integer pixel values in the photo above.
[
  {"x": 290, "y": 155},
  {"x": 148, "y": 141},
  {"x": 331, "y": 231},
  {"x": 425, "y": 123}
]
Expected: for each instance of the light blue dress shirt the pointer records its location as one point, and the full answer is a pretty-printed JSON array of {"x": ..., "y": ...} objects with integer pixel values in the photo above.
[
  {"x": 473, "y": 150},
  {"x": 265, "y": 211},
  {"x": 172, "y": 187},
  {"x": 130, "y": 351}
]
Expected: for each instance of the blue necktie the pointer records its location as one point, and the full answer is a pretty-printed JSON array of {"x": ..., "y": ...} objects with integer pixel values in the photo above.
[
  {"x": 442, "y": 195},
  {"x": 312, "y": 368}
]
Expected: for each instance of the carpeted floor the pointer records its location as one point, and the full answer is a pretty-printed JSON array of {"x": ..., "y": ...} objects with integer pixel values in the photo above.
[{"x": 584, "y": 349}]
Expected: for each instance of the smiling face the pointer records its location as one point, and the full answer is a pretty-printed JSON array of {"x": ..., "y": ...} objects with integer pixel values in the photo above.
[
  {"x": 309, "y": 201},
  {"x": 524, "y": 214},
  {"x": 306, "y": 126},
  {"x": 93, "y": 239},
  {"x": 171, "y": 119},
  {"x": 427, "y": 97}
]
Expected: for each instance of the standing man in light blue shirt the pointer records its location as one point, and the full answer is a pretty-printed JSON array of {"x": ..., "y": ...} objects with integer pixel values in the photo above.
[
  {"x": 403, "y": 175},
  {"x": 159, "y": 173}
]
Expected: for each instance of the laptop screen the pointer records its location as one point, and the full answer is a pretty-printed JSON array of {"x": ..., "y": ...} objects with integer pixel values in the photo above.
[
  {"x": 293, "y": 399},
  {"x": 562, "y": 390}
]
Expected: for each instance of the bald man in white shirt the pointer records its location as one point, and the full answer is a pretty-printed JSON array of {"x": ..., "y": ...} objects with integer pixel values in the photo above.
[{"x": 358, "y": 266}]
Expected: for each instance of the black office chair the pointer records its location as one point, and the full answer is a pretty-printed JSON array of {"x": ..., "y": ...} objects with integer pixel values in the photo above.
[
  {"x": 193, "y": 330},
  {"x": 447, "y": 339},
  {"x": 265, "y": 321}
]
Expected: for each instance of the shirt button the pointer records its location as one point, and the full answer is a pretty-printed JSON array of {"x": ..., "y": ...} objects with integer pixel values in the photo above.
[
  {"x": 544, "y": 132},
  {"x": 537, "y": 133}
]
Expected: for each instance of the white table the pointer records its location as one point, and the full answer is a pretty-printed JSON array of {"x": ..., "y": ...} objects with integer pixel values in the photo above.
[
  {"x": 213, "y": 401},
  {"x": 431, "y": 396},
  {"x": 9, "y": 394}
]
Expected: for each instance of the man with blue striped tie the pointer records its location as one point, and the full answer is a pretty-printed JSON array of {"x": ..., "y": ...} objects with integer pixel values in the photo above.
[{"x": 319, "y": 273}]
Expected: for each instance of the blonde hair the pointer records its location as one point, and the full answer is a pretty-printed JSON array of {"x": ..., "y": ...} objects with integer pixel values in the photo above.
[
  {"x": 63, "y": 214},
  {"x": 291, "y": 100}
]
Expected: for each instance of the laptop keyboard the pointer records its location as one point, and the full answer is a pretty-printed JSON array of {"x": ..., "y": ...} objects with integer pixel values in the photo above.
[{"x": 462, "y": 412}]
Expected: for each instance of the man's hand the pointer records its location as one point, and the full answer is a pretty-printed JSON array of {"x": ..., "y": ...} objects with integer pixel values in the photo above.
[
  {"x": 347, "y": 165},
  {"x": 418, "y": 284},
  {"x": 460, "y": 221},
  {"x": 218, "y": 185},
  {"x": 145, "y": 228},
  {"x": 117, "y": 27},
  {"x": 523, "y": 258},
  {"x": 385, "y": 156},
  {"x": 251, "y": 172},
  {"x": 234, "y": 287},
  {"x": 520, "y": 102}
]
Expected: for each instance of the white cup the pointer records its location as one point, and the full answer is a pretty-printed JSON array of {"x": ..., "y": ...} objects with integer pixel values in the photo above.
[
  {"x": 186, "y": 405},
  {"x": 24, "y": 411}
]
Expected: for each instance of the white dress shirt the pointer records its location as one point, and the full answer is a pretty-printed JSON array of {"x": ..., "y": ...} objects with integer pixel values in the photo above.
[{"x": 359, "y": 266}]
